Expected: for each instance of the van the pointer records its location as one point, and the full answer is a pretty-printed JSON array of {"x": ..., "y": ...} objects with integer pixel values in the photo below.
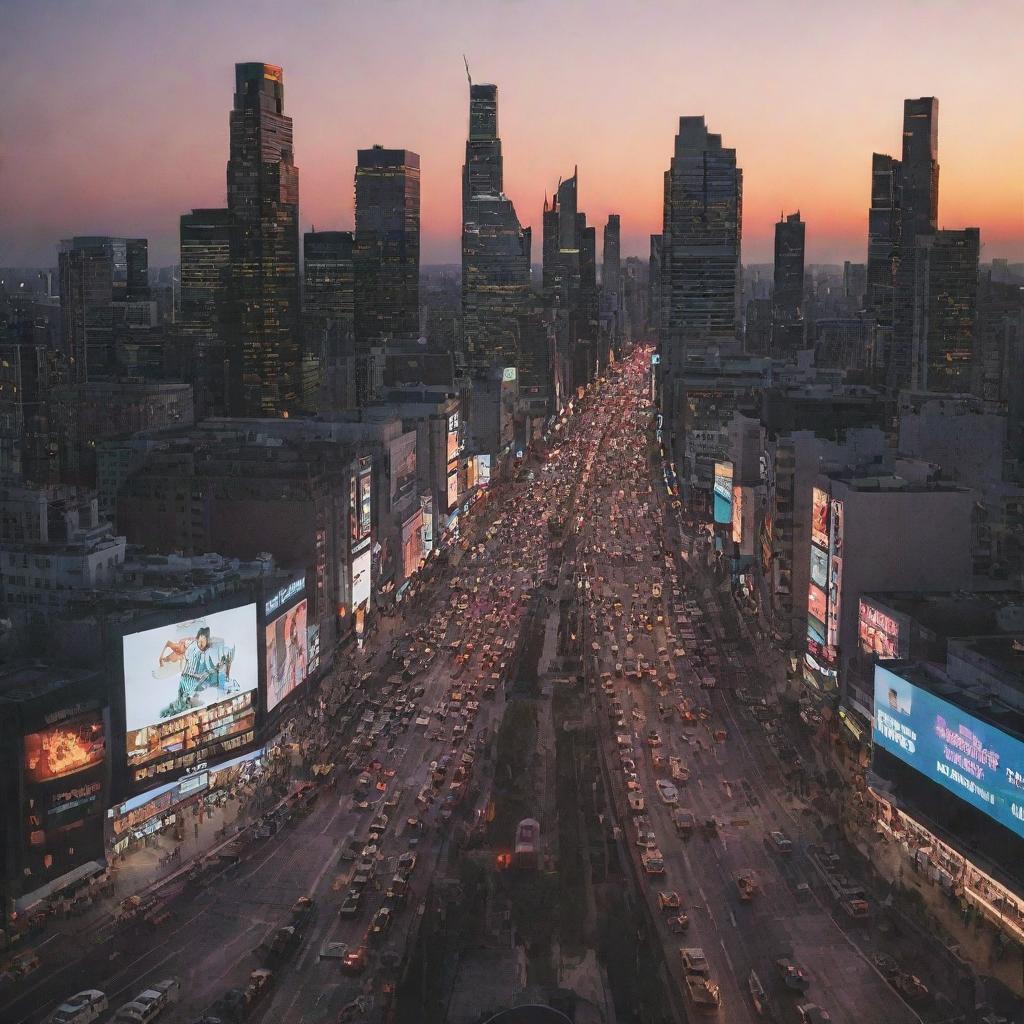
[{"x": 82, "y": 1008}]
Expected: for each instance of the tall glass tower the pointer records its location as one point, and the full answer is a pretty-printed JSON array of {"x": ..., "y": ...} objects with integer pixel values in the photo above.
[{"x": 264, "y": 350}]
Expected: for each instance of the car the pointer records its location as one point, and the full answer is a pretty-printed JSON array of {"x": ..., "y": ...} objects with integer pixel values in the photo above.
[
  {"x": 302, "y": 910},
  {"x": 636, "y": 803},
  {"x": 780, "y": 843},
  {"x": 354, "y": 961},
  {"x": 885, "y": 965},
  {"x": 811, "y": 1013},
  {"x": 81, "y": 1008},
  {"x": 911, "y": 987},
  {"x": 668, "y": 899},
  {"x": 668, "y": 793},
  {"x": 407, "y": 864},
  {"x": 694, "y": 961},
  {"x": 646, "y": 839},
  {"x": 350, "y": 905},
  {"x": 793, "y": 976},
  {"x": 334, "y": 951},
  {"x": 380, "y": 925},
  {"x": 653, "y": 739}
]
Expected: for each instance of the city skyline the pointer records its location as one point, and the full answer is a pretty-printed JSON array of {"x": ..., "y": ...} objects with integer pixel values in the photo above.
[{"x": 617, "y": 125}]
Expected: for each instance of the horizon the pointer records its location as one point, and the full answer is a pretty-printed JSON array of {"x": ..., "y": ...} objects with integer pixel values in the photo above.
[{"x": 169, "y": 131}]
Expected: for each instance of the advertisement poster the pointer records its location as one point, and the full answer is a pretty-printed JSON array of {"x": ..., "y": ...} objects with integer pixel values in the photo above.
[
  {"x": 65, "y": 749},
  {"x": 287, "y": 658},
  {"x": 977, "y": 762},
  {"x": 816, "y": 603},
  {"x": 835, "y": 587},
  {"x": 403, "y": 468},
  {"x": 195, "y": 663},
  {"x": 452, "y": 496},
  {"x": 723, "y": 493},
  {"x": 737, "y": 514},
  {"x": 365, "y": 501},
  {"x": 412, "y": 543},
  {"x": 453, "y": 436},
  {"x": 819, "y": 567},
  {"x": 880, "y": 634},
  {"x": 819, "y": 518},
  {"x": 313, "y": 647},
  {"x": 815, "y": 631},
  {"x": 483, "y": 470},
  {"x": 361, "y": 579},
  {"x": 427, "y": 507}
]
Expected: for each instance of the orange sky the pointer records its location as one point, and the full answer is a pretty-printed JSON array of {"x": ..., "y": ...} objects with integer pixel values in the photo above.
[{"x": 115, "y": 113}]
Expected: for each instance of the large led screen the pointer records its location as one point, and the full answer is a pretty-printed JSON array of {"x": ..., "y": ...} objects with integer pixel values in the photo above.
[
  {"x": 65, "y": 749},
  {"x": 737, "y": 514},
  {"x": 723, "y": 493},
  {"x": 189, "y": 681},
  {"x": 287, "y": 657},
  {"x": 881, "y": 634},
  {"x": 452, "y": 496},
  {"x": 977, "y": 762},
  {"x": 819, "y": 518},
  {"x": 819, "y": 567},
  {"x": 816, "y": 603},
  {"x": 361, "y": 578}
]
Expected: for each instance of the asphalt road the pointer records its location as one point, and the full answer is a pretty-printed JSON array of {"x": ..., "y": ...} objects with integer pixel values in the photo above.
[{"x": 738, "y": 782}]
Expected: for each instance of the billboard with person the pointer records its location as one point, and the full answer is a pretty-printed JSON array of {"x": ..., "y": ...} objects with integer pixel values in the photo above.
[
  {"x": 190, "y": 683},
  {"x": 977, "y": 762},
  {"x": 65, "y": 749},
  {"x": 723, "y": 493},
  {"x": 286, "y": 653}
]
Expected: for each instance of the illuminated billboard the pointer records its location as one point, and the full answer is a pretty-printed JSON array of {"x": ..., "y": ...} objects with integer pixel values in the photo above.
[
  {"x": 819, "y": 518},
  {"x": 977, "y": 762},
  {"x": 287, "y": 657},
  {"x": 483, "y": 470},
  {"x": 453, "y": 436},
  {"x": 737, "y": 514},
  {"x": 361, "y": 579},
  {"x": 819, "y": 567},
  {"x": 723, "y": 493},
  {"x": 452, "y": 496},
  {"x": 412, "y": 543},
  {"x": 816, "y": 603},
  {"x": 365, "y": 500},
  {"x": 65, "y": 749},
  {"x": 881, "y": 634},
  {"x": 835, "y": 574},
  {"x": 188, "y": 684},
  {"x": 403, "y": 467}
]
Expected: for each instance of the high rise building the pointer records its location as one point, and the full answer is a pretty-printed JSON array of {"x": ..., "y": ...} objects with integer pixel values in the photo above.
[
  {"x": 788, "y": 294},
  {"x": 945, "y": 308},
  {"x": 654, "y": 286},
  {"x": 611, "y": 260},
  {"x": 328, "y": 297},
  {"x": 387, "y": 246},
  {"x": 495, "y": 247},
  {"x": 100, "y": 278},
  {"x": 919, "y": 209},
  {"x": 883, "y": 236},
  {"x": 205, "y": 238},
  {"x": 264, "y": 350},
  {"x": 700, "y": 257}
]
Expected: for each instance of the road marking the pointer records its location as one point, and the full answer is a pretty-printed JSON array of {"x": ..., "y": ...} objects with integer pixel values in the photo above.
[
  {"x": 149, "y": 970},
  {"x": 732, "y": 917}
]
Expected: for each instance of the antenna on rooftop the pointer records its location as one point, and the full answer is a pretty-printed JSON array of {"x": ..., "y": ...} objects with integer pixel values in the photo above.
[{"x": 468, "y": 76}]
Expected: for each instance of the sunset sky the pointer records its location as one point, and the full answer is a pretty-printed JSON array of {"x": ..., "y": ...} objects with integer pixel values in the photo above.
[{"x": 114, "y": 113}]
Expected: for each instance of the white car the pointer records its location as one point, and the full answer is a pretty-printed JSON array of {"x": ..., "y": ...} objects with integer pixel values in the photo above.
[
  {"x": 668, "y": 793},
  {"x": 81, "y": 1008}
]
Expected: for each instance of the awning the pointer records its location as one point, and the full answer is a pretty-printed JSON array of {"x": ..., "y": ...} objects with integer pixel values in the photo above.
[{"x": 58, "y": 885}]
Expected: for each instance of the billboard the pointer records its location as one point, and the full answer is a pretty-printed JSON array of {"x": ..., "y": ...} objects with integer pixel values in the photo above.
[
  {"x": 723, "y": 492},
  {"x": 412, "y": 543},
  {"x": 452, "y": 495},
  {"x": 835, "y": 574},
  {"x": 881, "y": 634},
  {"x": 361, "y": 579},
  {"x": 453, "y": 436},
  {"x": 189, "y": 683},
  {"x": 819, "y": 518},
  {"x": 427, "y": 507},
  {"x": 65, "y": 749},
  {"x": 313, "y": 647},
  {"x": 483, "y": 470},
  {"x": 286, "y": 653},
  {"x": 365, "y": 499},
  {"x": 817, "y": 604},
  {"x": 403, "y": 467},
  {"x": 819, "y": 567},
  {"x": 737, "y": 514},
  {"x": 975, "y": 761}
]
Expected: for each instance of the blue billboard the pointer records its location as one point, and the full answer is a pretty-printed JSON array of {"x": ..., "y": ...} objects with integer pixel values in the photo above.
[
  {"x": 723, "y": 493},
  {"x": 977, "y": 762}
]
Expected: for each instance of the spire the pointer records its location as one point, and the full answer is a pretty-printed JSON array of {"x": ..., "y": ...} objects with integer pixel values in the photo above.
[{"x": 469, "y": 78}]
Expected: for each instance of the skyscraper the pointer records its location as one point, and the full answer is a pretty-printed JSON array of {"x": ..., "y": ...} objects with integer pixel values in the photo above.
[
  {"x": 918, "y": 218},
  {"x": 945, "y": 307},
  {"x": 883, "y": 236},
  {"x": 387, "y": 246},
  {"x": 264, "y": 349},
  {"x": 328, "y": 293},
  {"x": 611, "y": 263},
  {"x": 495, "y": 248},
  {"x": 700, "y": 255},
  {"x": 654, "y": 287},
  {"x": 206, "y": 238},
  {"x": 788, "y": 294},
  {"x": 99, "y": 277}
]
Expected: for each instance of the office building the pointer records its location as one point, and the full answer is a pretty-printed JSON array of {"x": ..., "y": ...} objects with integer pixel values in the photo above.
[
  {"x": 611, "y": 263},
  {"x": 387, "y": 246},
  {"x": 884, "y": 220},
  {"x": 328, "y": 294},
  {"x": 700, "y": 252},
  {"x": 919, "y": 207},
  {"x": 944, "y": 310},
  {"x": 495, "y": 248},
  {"x": 788, "y": 293},
  {"x": 264, "y": 351},
  {"x": 101, "y": 279}
]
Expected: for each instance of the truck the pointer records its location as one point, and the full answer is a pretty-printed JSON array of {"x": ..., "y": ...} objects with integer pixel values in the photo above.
[{"x": 703, "y": 993}]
